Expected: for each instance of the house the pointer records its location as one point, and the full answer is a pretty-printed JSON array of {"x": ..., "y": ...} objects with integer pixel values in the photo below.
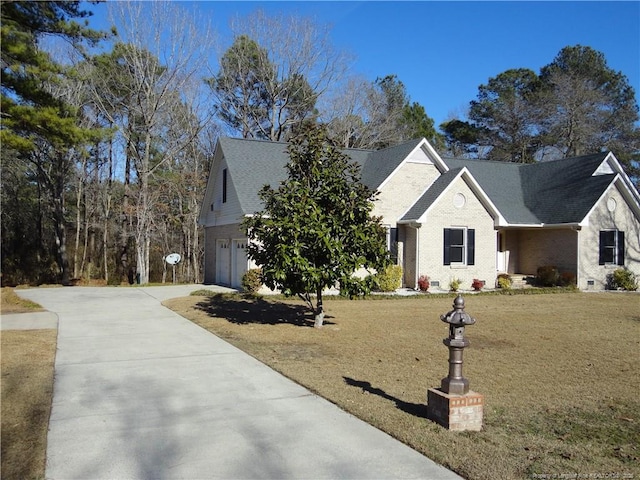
[{"x": 450, "y": 218}]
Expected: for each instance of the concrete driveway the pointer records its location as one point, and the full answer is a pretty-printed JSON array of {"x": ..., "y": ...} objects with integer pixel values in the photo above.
[{"x": 142, "y": 393}]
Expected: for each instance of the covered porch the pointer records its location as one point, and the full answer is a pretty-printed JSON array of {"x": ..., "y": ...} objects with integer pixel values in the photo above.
[{"x": 522, "y": 250}]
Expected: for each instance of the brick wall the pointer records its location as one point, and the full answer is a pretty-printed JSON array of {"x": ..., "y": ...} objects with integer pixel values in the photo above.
[
  {"x": 445, "y": 214},
  {"x": 403, "y": 189},
  {"x": 538, "y": 248},
  {"x": 601, "y": 218}
]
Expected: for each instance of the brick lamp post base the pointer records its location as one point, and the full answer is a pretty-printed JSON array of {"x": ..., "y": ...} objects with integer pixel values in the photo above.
[{"x": 455, "y": 412}]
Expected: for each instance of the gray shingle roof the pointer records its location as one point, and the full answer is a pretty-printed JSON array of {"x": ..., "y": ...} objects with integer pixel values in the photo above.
[
  {"x": 563, "y": 191},
  {"x": 502, "y": 183},
  {"x": 560, "y": 191},
  {"x": 255, "y": 163},
  {"x": 380, "y": 164}
]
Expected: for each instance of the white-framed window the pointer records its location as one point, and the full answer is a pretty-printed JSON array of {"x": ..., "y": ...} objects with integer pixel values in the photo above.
[
  {"x": 611, "y": 248},
  {"x": 459, "y": 246}
]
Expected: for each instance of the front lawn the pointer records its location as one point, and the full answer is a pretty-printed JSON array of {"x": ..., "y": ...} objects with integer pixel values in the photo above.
[{"x": 559, "y": 373}]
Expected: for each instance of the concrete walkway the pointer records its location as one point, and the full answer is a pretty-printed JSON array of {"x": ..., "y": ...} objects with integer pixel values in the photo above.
[{"x": 142, "y": 393}]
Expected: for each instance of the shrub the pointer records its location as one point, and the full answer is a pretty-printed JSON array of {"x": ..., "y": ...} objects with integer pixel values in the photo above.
[
  {"x": 454, "y": 284},
  {"x": 424, "y": 283},
  {"x": 622, "y": 279},
  {"x": 477, "y": 284},
  {"x": 390, "y": 278},
  {"x": 567, "y": 279},
  {"x": 252, "y": 280},
  {"x": 547, "y": 276},
  {"x": 504, "y": 281}
]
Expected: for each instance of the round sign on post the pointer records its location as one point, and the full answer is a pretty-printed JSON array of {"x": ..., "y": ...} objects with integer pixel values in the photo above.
[{"x": 173, "y": 258}]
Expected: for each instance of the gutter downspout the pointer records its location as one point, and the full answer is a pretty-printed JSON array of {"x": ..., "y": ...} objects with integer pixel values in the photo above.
[{"x": 578, "y": 266}]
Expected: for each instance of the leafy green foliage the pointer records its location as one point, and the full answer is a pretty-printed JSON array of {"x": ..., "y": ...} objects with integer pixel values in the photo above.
[
  {"x": 454, "y": 284},
  {"x": 461, "y": 138},
  {"x": 420, "y": 125},
  {"x": 252, "y": 280},
  {"x": 588, "y": 107},
  {"x": 623, "y": 278},
  {"x": 30, "y": 110},
  {"x": 404, "y": 120},
  {"x": 39, "y": 128},
  {"x": 390, "y": 279},
  {"x": 506, "y": 114},
  {"x": 316, "y": 228}
]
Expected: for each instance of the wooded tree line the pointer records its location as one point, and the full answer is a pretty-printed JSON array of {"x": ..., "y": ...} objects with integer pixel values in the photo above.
[
  {"x": 575, "y": 106},
  {"x": 107, "y": 137}
]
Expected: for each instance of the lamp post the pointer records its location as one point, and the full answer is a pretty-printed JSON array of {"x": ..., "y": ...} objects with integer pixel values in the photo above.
[
  {"x": 453, "y": 405},
  {"x": 457, "y": 320}
]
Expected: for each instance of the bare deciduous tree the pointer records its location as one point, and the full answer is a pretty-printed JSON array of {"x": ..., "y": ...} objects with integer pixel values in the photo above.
[{"x": 157, "y": 66}]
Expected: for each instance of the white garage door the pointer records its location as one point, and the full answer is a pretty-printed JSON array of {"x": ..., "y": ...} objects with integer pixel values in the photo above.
[
  {"x": 239, "y": 262},
  {"x": 223, "y": 262}
]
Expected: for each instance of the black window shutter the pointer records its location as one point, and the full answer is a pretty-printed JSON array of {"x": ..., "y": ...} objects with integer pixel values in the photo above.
[
  {"x": 447, "y": 246},
  {"x": 471, "y": 246},
  {"x": 224, "y": 186},
  {"x": 620, "y": 248},
  {"x": 602, "y": 245}
]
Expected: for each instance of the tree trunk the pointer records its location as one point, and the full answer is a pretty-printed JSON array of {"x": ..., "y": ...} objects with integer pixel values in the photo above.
[
  {"x": 124, "y": 233},
  {"x": 319, "y": 310},
  {"x": 59, "y": 228},
  {"x": 76, "y": 268}
]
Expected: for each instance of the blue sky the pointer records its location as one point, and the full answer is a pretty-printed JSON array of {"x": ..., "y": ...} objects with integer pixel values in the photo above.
[{"x": 442, "y": 51}]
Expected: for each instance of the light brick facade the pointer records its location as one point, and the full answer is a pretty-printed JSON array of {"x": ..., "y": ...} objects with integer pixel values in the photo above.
[
  {"x": 612, "y": 212},
  {"x": 518, "y": 218},
  {"x": 448, "y": 213}
]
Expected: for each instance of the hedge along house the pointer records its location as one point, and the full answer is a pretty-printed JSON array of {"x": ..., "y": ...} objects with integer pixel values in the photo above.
[{"x": 450, "y": 218}]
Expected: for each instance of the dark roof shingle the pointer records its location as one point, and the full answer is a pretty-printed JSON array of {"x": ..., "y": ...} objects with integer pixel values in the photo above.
[{"x": 554, "y": 192}]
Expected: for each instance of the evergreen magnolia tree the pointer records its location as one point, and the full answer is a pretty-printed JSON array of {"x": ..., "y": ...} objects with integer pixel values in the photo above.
[{"x": 316, "y": 228}]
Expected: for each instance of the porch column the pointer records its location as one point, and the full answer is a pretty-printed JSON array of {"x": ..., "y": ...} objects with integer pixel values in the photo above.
[{"x": 416, "y": 226}]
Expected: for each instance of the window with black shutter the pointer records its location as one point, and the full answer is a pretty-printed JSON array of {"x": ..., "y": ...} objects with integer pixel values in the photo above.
[
  {"x": 459, "y": 246},
  {"x": 611, "y": 247}
]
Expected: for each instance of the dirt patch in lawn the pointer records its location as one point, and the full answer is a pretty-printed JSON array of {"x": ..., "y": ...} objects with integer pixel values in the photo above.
[{"x": 559, "y": 373}]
